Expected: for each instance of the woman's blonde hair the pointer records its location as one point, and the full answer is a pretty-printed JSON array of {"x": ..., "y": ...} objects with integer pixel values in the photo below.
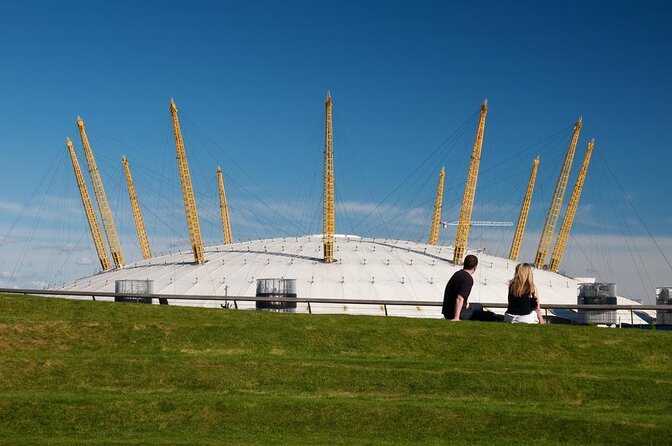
[{"x": 522, "y": 282}]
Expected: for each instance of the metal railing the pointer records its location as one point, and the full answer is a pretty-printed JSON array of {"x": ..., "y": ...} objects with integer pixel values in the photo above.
[{"x": 384, "y": 303}]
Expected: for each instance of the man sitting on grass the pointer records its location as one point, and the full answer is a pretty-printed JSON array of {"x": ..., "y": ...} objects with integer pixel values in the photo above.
[{"x": 458, "y": 290}]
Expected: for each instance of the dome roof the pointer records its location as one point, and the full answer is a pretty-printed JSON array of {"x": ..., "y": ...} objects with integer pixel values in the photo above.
[{"x": 365, "y": 268}]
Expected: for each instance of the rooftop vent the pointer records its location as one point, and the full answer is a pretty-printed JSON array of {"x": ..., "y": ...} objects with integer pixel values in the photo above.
[
  {"x": 664, "y": 297},
  {"x": 134, "y": 287},
  {"x": 276, "y": 288},
  {"x": 597, "y": 294}
]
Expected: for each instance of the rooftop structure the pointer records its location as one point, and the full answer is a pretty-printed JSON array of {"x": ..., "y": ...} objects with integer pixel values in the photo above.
[
  {"x": 365, "y": 269},
  {"x": 335, "y": 266}
]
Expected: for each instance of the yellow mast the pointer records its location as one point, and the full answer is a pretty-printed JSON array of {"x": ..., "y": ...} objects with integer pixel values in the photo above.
[
  {"x": 328, "y": 206},
  {"x": 436, "y": 218},
  {"x": 88, "y": 210},
  {"x": 187, "y": 190},
  {"x": 570, "y": 213},
  {"x": 470, "y": 190},
  {"x": 137, "y": 213},
  {"x": 556, "y": 203},
  {"x": 101, "y": 199},
  {"x": 524, "y": 210},
  {"x": 226, "y": 223}
]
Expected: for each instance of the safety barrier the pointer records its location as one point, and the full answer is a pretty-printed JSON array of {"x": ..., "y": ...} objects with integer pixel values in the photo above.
[{"x": 385, "y": 303}]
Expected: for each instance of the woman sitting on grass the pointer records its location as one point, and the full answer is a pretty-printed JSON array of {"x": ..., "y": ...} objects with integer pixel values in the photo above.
[{"x": 524, "y": 306}]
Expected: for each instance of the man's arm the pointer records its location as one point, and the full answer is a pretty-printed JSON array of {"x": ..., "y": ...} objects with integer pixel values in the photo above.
[{"x": 459, "y": 301}]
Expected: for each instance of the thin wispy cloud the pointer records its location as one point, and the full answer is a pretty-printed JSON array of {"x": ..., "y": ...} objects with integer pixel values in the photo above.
[
  {"x": 58, "y": 247},
  {"x": 39, "y": 284},
  {"x": 51, "y": 208},
  {"x": 84, "y": 261}
]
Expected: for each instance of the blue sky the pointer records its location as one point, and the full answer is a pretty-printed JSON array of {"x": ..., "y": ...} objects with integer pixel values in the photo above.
[{"x": 407, "y": 79}]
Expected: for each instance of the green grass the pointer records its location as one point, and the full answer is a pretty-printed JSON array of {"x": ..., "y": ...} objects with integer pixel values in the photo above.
[{"x": 94, "y": 372}]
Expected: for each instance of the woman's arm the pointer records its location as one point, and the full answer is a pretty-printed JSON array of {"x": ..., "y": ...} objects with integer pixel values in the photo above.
[{"x": 538, "y": 309}]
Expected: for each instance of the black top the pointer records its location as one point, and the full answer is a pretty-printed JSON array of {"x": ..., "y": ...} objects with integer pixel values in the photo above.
[
  {"x": 520, "y": 306},
  {"x": 461, "y": 284}
]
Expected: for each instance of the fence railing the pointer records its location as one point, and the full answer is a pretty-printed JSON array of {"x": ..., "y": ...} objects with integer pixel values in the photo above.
[{"x": 385, "y": 303}]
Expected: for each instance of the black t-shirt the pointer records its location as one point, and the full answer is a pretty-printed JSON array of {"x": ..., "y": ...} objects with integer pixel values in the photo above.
[
  {"x": 461, "y": 284},
  {"x": 522, "y": 305}
]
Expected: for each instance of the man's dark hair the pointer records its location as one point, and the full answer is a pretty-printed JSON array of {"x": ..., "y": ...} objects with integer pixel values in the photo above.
[{"x": 470, "y": 261}]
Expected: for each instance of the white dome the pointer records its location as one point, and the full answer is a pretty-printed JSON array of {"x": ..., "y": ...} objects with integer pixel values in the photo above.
[{"x": 365, "y": 269}]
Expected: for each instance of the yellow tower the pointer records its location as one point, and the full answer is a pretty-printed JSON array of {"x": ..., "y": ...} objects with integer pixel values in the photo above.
[
  {"x": 328, "y": 207},
  {"x": 470, "y": 190},
  {"x": 187, "y": 190},
  {"x": 137, "y": 213},
  {"x": 224, "y": 209},
  {"x": 524, "y": 210},
  {"x": 88, "y": 210},
  {"x": 436, "y": 218},
  {"x": 570, "y": 213},
  {"x": 556, "y": 202},
  {"x": 101, "y": 199}
]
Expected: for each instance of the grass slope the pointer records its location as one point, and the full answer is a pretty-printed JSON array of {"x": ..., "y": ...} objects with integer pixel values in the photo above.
[{"x": 95, "y": 372}]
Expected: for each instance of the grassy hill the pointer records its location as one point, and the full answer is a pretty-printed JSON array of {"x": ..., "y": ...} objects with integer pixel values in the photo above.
[{"x": 95, "y": 372}]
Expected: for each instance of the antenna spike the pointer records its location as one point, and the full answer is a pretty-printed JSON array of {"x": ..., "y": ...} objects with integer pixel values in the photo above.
[
  {"x": 570, "y": 212},
  {"x": 328, "y": 212},
  {"x": 187, "y": 190},
  {"x": 224, "y": 209},
  {"x": 137, "y": 213},
  {"x": 470, "y": 190},
  {"x": 556, "y": 202},
  {"x": 524, "y": 211},
  {"x": 101, "y": 198},
  {"x": 436, "y": 217}
]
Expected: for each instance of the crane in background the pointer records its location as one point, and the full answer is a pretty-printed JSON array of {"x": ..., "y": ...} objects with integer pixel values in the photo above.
[{"x": 481, "y": 223}]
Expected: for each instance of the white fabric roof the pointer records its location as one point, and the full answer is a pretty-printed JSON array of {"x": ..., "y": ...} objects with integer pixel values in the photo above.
[{"x": 365, "y": 269}]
